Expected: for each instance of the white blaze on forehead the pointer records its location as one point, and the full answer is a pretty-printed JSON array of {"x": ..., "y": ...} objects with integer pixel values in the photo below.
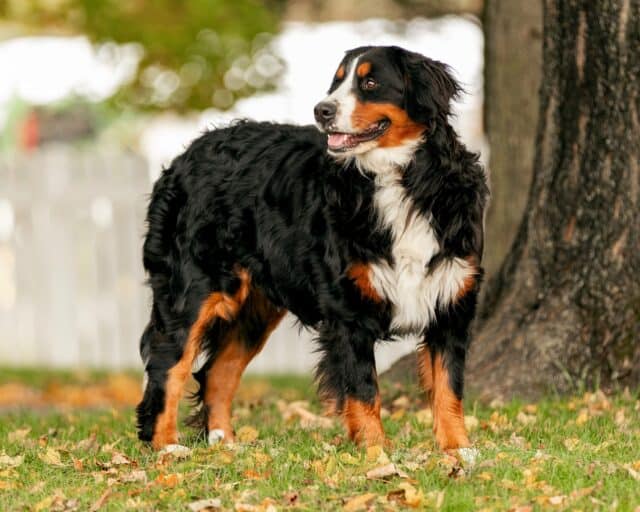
[{"x": 345, "y": 99}]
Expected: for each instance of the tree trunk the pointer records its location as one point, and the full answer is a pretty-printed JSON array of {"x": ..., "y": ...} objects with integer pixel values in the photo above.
[
  {"x": 564, "y": 310},
  {"x": 513, "y": 65}
]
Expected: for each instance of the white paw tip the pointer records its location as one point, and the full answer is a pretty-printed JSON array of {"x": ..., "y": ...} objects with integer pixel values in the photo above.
[
  {"x": 469, "y": 455},
  {"x": 177, "y": 450},
  {"x": 216, "y": 436}
]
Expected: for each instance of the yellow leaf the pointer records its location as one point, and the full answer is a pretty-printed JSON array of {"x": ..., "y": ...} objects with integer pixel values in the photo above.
[
  {"x": 247, "y": 434},
  {"x": 18, "y": 435},
  {"x": 377, "y": 454},
  {"x": 471, "y": 422},
  {"x": 487, "y": 477},
  {"x": 583, "y": 417},
  {"x": 425, "y": 416},
  {"x": 347, "y": 458},
  {"x": 412, "y": 497},
  {"x": 52, "y": 457},
  {"x": 359, "y": 502},
  {"x": 571, "y": 443},
  {"x": 7, "y": 461}
]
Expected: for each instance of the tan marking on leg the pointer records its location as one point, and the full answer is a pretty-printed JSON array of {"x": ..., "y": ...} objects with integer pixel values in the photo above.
[
  {"x": 425, "y": 371},
  {"x": 448, "y": 415},
  {"x": 225, "y": 373},
  {"x": 217, "y": 305},
  {"x": 363, "y": 421}
]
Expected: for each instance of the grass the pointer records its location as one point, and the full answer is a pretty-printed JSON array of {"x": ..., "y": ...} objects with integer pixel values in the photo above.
[{"x": 581, "y": 453}]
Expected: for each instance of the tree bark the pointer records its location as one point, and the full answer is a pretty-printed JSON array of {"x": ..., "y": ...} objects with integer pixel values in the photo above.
[
  {"x": 513, "y": 65},
  {"x": 564, "y": 310}
]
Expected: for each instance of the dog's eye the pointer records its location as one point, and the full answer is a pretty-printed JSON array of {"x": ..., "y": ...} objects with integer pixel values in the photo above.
[{"x": 368, "y": 84}]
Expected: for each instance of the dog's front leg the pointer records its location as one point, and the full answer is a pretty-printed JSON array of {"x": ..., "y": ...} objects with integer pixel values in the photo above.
[
  {"x": 347, "y": 376},
  {"x": 441, "y": 361}
]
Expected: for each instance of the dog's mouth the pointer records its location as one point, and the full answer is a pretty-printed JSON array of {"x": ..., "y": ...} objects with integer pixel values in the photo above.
[{"x": 342, "y": 141}]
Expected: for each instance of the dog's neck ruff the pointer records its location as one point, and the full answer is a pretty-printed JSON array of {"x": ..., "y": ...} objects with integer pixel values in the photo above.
[{"x": 414, "y": 290}]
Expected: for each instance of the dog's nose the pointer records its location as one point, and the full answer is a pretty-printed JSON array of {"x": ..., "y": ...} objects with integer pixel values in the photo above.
[{"x": 325, "y": 111}]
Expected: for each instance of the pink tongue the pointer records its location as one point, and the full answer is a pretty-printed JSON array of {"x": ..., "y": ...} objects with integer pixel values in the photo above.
[{"x": 337, "y": 140}]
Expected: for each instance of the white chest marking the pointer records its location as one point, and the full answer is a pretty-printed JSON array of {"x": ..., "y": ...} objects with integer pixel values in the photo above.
[{"x": 414, "y": 293}]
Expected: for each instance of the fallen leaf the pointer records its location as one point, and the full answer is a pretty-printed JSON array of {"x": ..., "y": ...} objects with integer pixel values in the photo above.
[
  {"x": 247, "y": 434},
  {"x": 18, "y": 435},
  {"x": 634, "y": 474},
  {"x": 571, "y": 443},
  {"x": 101, "y": 500},
  {"x": 412, "y": 496},
  {"x": 168, "y": 480},
  {"x": 386, "y": 471},
  {"x": 471, "y": 423},
  {"x": 120, "y": 459},
  {"x": 206, "y": 505},
  {"x": 360, "y": 502},
  {"x": 7, "y": 461},
  {"x": 525, "y": 419},
  {"x": 299, "y": 409},
  {"x": 177, "y": 451},
  {"x": 51, "y": 457},
  {"x": 138, "y": 475}
]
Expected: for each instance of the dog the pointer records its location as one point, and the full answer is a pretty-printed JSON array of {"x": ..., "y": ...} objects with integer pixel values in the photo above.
[{"x": 367, "y": 227}]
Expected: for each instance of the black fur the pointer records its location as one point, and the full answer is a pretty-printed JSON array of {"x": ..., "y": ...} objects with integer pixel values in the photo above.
[{"x": 269, "y": 199}]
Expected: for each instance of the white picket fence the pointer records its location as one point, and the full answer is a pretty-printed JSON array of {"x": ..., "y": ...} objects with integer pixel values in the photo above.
[{"x": 72, "y": 288}]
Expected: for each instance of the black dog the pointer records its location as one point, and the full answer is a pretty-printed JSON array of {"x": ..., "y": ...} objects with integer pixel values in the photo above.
[{"x": 366, "y": 229}]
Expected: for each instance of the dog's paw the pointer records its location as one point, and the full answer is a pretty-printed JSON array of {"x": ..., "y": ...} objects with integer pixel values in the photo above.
[
  {"x": 176, "y": 450},
  {"x": 216, "y": 436},
  {"x": 468, "y": 456}
]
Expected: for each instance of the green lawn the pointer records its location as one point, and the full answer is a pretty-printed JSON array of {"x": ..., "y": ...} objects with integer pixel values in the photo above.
[{"x": 577, "y": 454}]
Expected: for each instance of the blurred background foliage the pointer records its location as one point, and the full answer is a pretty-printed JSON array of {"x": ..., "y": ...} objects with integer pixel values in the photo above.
[{"x": 191, "y": 54}]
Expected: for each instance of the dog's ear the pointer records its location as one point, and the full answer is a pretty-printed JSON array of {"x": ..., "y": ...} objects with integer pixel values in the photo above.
[{"x": 430, "y": 88}]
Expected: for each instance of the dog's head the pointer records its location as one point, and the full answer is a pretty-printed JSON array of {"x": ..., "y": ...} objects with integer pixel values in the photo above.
[{"x": 384, "y": 98}]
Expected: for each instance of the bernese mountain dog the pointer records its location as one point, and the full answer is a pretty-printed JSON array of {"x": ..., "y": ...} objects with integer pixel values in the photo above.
[{"x": 367, "y": 227}]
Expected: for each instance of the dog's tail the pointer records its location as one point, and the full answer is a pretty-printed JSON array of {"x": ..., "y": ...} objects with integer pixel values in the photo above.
[{"x": 162, "y": 216}]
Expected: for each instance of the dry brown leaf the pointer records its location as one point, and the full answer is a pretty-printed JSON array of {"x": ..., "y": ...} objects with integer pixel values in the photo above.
[
  {"x": 206, "y": 505},
  {"x": 525, "y": 419},
  {"x": 17, "y": 436},
  {"x": 169, "y": 480},
  {"x": 7, "y": 461},
  {"x": 247, "y": 434},
  {"x": 571, "y": 443},
  {"x": 382, "y": 472},
  {"x": 471, "y": 423},
  {"x": 634, "y": 474},
  {"x": 101, "y": 500},
  {"x": 51, "y": 456},
  {"x": 137, "y": 475},
  {"x": 360, "y": 502},
  {"x": 176, "y": 451},
  {"x": 119, "y": 459},
  {"x": 412, "y": 497},
  {"x": 88, "y": 444},
  {"x": 299, "y": 409}
]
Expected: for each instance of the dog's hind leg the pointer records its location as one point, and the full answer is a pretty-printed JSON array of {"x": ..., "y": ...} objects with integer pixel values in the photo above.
[
  {"x": 238, "y": 346},
  {"x": 218, "y": 306}
]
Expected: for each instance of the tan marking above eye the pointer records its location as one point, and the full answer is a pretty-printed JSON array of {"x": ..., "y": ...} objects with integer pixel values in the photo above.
[
  {"x": 340, "y": 73},
  {"x": 363, "y": 69}
]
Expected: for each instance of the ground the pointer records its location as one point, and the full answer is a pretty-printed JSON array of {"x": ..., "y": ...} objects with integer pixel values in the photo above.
[{"x": 67, "y": 442}]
